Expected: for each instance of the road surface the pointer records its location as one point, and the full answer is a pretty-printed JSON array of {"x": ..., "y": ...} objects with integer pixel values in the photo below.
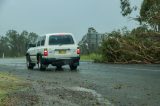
[{"x": 93, "y": 84}]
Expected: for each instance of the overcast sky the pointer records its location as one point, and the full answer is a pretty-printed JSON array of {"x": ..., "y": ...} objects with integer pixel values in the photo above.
[{"x": 75, "y": 16}]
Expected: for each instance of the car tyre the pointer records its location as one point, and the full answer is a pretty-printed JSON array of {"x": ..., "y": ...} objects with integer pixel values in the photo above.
[
  {"x": 28, "y": 62},
  {"x": 59, "y": 67},
  {"x": 41, "y": 66},
  {"x": 73, "y": 67}
]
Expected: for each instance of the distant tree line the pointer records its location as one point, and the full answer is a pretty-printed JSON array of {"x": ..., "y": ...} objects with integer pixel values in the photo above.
[{"x": 14, "y": 44}]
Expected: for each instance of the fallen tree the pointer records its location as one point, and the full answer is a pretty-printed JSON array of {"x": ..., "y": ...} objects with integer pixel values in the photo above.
[{"x": 141, "y": 47}]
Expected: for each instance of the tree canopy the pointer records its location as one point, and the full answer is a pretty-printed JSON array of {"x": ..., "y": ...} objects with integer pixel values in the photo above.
[{"x": 149, "y": 12}]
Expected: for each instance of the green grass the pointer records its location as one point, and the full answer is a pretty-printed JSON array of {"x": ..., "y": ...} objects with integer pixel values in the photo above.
[
  {"x": 91, "y": 57},
  {"x": 9, "y": 84}
]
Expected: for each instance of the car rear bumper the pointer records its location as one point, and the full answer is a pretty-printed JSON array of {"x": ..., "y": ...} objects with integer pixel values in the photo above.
[{"x": 62, "y": 61}]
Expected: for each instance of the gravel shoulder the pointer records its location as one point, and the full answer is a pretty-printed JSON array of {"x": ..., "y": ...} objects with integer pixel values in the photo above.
[{"x": 91, "y": 85}]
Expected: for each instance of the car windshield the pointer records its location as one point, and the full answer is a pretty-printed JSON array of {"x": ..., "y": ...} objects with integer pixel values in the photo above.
[{"x": 60, "y": 39}]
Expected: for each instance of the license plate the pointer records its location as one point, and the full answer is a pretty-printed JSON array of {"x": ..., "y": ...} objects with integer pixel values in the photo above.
[{"x": 62, "y": 52}]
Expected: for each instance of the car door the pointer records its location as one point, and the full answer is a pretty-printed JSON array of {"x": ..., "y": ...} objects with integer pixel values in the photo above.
[{"x": 35, "y": 50}]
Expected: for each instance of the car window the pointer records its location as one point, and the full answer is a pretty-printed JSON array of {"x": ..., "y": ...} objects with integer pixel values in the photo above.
[
  {"x": 38, "y": 43},
  {"x": 43, "y": 41},
  {"x": 60, "y": 39}
]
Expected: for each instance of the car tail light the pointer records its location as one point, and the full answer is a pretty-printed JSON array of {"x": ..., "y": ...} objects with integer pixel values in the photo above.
[
  {"x": 45, "y": 52},
  {"x": 78, "y": 51}
]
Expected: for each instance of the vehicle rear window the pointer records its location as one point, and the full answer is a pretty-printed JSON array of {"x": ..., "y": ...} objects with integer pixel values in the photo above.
[{"x": 60, "y": 39}]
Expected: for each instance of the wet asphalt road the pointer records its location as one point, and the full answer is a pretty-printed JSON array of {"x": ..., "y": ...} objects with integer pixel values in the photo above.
[{"x": 122, "y": 85}]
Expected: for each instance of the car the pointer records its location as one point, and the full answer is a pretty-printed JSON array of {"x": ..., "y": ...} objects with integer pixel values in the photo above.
[{"x": 57, "y": 49}]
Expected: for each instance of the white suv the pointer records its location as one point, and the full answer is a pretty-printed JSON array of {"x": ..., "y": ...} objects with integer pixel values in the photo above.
[{"x": 57, "y": 49}]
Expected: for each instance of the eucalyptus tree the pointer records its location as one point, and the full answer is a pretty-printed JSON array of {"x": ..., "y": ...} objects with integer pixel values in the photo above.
[{"x": 149, "y": 12}]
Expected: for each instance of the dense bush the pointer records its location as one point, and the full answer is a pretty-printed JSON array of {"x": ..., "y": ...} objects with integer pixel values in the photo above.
[{"x": 139, "y": 46}]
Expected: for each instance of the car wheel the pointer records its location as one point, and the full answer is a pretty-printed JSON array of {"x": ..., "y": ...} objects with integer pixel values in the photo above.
[
  {"x": 28, "y": 63},
  {"x": 41, "y": 66},
  {"x": 73, "y": 67},
  {"x": 59, "y": 67}
]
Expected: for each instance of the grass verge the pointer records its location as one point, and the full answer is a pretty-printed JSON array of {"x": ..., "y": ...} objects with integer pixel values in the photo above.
[
  {"x": 92, "y": 57},
  {"x": 9, "y": 84}
]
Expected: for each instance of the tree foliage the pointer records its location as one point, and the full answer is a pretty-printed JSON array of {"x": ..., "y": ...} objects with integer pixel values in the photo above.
[
  {"x": 125, "y": 7},
  {"x": 15, "y": 44},
  {"x": 149, "y": 12}
]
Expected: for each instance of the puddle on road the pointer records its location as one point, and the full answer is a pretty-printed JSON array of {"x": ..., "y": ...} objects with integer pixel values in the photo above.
[{"x": 94, "y": 93}]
